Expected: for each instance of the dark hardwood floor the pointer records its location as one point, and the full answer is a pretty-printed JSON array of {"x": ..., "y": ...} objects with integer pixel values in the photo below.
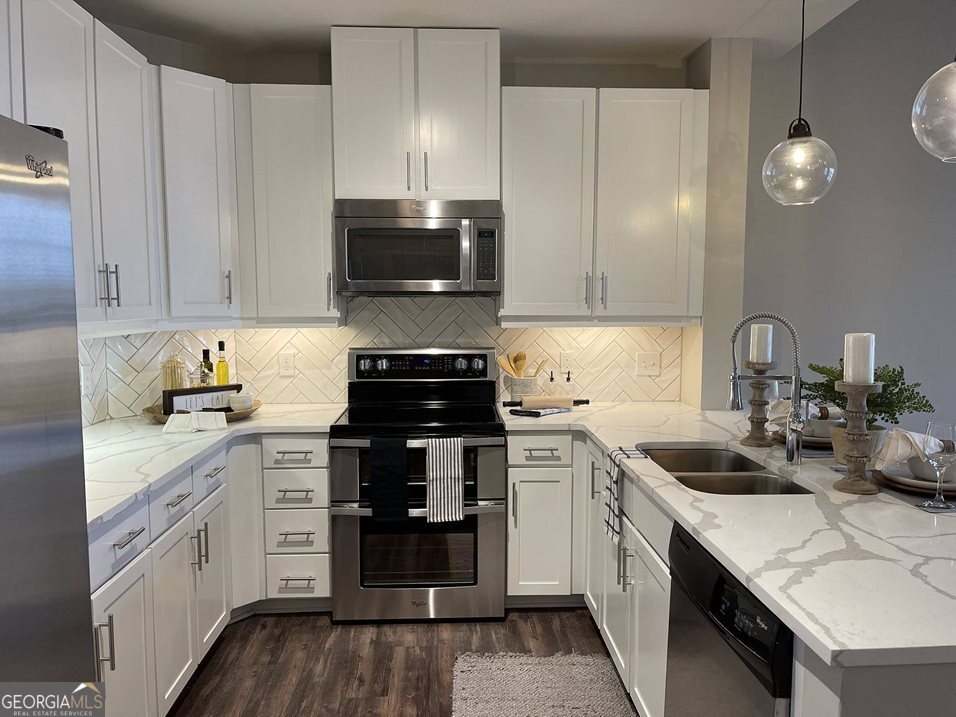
[{"x": 284, "y": 665}]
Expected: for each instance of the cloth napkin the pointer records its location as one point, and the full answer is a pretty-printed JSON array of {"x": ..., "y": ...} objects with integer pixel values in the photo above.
[
  {"x": 612, "y": 473},
  {"x": 195, "y": 421},
  {"x": 902, "y": 445},
  {"x": 779, "y": 410},
  {"x": 444, "y": 480}
]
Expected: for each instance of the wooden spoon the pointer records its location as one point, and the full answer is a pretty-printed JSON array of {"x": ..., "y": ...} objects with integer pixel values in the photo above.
[
  {"x": 504, "y": 363},
  {"x": 541, "y": 365},
  {"x": 519, "y": 360}
]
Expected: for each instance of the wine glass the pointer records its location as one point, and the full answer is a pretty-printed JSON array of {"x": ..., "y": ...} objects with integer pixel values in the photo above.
[{"x": 939, "y": 450}]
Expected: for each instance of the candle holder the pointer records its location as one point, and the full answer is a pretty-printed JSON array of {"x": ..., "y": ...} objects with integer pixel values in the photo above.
[
  {"x": 759, "y": 404},
  {"x": 858, "y": 438}
]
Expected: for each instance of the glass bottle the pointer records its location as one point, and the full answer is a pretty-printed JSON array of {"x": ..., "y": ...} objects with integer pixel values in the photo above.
[
  {"x": 174, "y": 371},
  {"x": 207, "y": 361},
  {"x": 222, "y": 366}
]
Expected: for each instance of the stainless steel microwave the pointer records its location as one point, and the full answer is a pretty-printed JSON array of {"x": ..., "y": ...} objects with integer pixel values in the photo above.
[{"x": 403, "y": 246}]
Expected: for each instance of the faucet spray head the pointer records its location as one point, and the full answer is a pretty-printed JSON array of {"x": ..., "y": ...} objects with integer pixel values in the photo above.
[{"x": 735, "y": 402}]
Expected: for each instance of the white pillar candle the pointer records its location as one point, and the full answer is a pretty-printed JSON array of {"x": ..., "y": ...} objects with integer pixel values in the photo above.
[
  {"x": 859, "y": 358},
  {"x": 761, "y": 343}
]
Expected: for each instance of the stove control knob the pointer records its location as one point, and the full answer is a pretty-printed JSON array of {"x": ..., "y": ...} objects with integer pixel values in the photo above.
[
  {"x": 382, "y": 364},
  {"x": 478, "y": 364},
  {"x": 461, "y": 364},
  {"x": 365, "y": 364}
]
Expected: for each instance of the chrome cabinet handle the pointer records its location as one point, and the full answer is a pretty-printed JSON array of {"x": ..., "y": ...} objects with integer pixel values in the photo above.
[
  {"x": 303, "y": 451},
  {"x": 229, "y": 287},
  {"x": 110, "y": 659},
  {"x": 626, "y": 578},
  {"x": 514, "y": 503},
  {"x": 180, "y": 497},
  {"x": 408, "y": 171},
  {"x": 426, "y": 171},
  {"x": 587, "y": 289},
  {"x": 115, "y": 274},
  {"x": 620, "y": 572},
  {"x": 552, "y": 453},
  {"x": 286, "y": 534},
  {"x": 106, "y": 280},
  {"x": 130, "y": 537},
  {"x": 205, "y": 532},
  {"x": 604, "y": 280},
  {"x": 328, "y": 301},
  {"x": 199, "y": 556},
  {"x": 295, "y": 490},
  {"x": 293, "y": 579},
  {"x": 594, "y": 491},
  {"x": 215, "y": 471}
]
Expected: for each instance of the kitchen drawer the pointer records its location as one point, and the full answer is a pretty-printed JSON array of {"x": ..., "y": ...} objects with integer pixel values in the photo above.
[
  {"x": 170, "y": 502},
  {"x": 295, "y": 451},
  {"x": 116, "y": 546},
  {"x": 305, "y": 530},
  {"x": 539, "y": 449},
  {"x": 296, "y": 488},
  {"x": 652, "y": 522},
  {"x": 297, "y": 576},
  {"x": 209, "y": 474}
]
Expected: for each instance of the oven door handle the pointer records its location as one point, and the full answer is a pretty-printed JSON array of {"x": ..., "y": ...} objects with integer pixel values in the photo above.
[
  {"x": 418, "y": 443},
  {"x": 484, "y": 506}
]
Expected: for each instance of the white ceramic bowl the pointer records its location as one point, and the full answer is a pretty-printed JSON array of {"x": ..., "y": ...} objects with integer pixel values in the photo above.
[
  {"x": 921, "y": 469},
  {"x": 241, "y": 401}
]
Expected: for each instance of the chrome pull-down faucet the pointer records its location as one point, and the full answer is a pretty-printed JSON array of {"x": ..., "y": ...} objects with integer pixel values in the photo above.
[{"x": 796, "y": 421}]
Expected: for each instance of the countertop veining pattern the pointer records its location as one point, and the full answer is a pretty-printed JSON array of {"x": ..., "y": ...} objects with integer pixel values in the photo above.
[{"x": 862, "y": 580}]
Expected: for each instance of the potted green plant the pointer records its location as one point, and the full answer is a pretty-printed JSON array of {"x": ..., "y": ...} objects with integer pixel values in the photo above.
[{"x": 896, "y": 399}]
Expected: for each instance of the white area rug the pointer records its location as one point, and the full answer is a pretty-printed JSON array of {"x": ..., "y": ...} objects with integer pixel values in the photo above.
[{"x": 510, "y": 685}]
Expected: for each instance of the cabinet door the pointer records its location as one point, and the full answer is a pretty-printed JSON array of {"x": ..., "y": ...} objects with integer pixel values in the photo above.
[
  {"x": 597, "y": 539},
  {"x": 615, "y": 622},
  {"x": 126, "y": 177},
  {"x": 174, "y": 557},
  {"x": 459, "y": 115},
  {"x": 548, "y": 181},
  {"x": 643, "y": 216},
  {"x": 199, "y": 153},
  {"x": 60, "y": 92},
  {"x": 214, "y": 581},
  {"x": 11, "y": 60},
  {"x": 539, "y": 531},
  {"x": 292, "y": 176},
  {"x": 124, "y": 605},
  {"x": 373, "y": 112},
  {"x": 650, "y": 609}
]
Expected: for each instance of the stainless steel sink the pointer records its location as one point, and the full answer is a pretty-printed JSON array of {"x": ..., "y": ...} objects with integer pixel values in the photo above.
[
  {"x": 702, "y": 460},
  {"x": 740, "y": 483}
]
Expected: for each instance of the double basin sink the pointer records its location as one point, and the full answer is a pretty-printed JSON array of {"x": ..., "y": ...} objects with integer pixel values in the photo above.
[{"x": 720, "y": 471}]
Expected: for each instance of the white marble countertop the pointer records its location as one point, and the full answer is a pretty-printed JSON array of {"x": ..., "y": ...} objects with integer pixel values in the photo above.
[{"x": 860, "y": 580}]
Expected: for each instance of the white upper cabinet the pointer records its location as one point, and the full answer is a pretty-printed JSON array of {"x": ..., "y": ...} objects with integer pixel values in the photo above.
[
  {"x": 199, "y": 156},
  {"x": 459, "y": 117},
  {"x": 124, "y": 115},
  {"x": 292, "y": 179},
  {"x": 11, "y": 60},
  {"x": 548, "y": 148},
  {"x": 388, "y": 145},
  {"x": 58, "y": 68},
  {"x": 643, "y": 202},
  {"x": 373, "y": 87}
]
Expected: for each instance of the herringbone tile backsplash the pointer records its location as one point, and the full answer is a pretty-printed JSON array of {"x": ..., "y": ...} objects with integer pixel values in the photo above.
[{"x": 121, "y": 374}]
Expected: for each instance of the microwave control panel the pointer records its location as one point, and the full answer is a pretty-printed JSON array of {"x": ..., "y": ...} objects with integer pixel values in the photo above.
[{"x": 486, "y": 255}]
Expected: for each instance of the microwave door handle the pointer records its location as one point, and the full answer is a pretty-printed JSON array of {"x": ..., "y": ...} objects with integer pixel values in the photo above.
[{"x": 468, "y": 267}]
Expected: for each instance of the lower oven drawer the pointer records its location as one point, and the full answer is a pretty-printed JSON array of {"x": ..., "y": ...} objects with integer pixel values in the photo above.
[
  {"x": 305, "y": 530},
  {"x": 297, "y": 576}
]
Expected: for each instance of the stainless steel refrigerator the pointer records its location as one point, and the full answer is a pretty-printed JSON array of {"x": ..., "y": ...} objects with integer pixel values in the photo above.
[{"x": 45, "y": 621}]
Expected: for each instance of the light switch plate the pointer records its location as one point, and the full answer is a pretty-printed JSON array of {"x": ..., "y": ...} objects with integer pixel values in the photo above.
[
  {"x": 647, "y": 363},
  {"x": 287, "y": 364},
  {"x": 567, "y": 358}
]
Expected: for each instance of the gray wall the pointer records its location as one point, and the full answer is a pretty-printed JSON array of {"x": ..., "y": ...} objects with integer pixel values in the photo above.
[{"x": 878, "y": 253}]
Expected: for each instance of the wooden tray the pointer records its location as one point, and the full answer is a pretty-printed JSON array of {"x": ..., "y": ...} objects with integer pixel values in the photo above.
[{"x": 155, "y": 413}]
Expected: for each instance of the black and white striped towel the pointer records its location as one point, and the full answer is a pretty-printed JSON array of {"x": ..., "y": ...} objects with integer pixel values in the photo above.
[
  {"x": 612, "y": 472},
  {"x": 444, "y": 480}
]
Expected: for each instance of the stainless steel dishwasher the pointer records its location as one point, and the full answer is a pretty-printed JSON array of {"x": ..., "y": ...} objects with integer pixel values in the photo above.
[{"x": 727, "y": 654}]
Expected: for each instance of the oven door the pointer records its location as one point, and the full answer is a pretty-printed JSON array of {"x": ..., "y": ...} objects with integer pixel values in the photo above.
[
  {"x": 416, "y": 570},
  {"x": 403, "y": 255}
]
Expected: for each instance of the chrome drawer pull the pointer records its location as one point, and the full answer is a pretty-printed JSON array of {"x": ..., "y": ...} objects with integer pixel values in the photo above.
[
  {"x": 286, "y": 534},
  {"x": 130, "y": 537},
  {"x": 295, "y": 490},
  {"x": 97, "y": 643},
  {"x": 292, "y": 579},
  {"x": 549, "y": 449},
  {"x": 180, "y": 497},
  {"x": 215, "y": 471},
  {"x": 303, "y": 451}
]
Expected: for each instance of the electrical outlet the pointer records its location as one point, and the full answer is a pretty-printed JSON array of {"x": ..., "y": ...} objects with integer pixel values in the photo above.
[
  {"x": 647, "y": 363},
  {"x": 287, "y": 363},
  {"x": 567, "y": 358}
]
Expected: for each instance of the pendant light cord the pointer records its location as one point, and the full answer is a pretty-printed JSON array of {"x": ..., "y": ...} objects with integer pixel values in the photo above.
[{"x": 803, "y": 35}]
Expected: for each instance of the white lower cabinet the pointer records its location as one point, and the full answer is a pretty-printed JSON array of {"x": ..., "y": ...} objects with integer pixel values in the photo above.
[
  {"x": 615, "y": 617},
  {"x": 175, "y": 558},
  {"x": 214, "y": 581},
  {"x": 597, "y": 539},
  {"x": 650, "y": 606},
  {"x": 123, "y": 620},
  {"x": 539, "y": 531}
]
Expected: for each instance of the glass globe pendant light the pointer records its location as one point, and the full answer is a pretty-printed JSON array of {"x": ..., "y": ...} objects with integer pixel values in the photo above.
[
  {"x": 801, "y": 169},
  {"x": 934, "y": 114}
]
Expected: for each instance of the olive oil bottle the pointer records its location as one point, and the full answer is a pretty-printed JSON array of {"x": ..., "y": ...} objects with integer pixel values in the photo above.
[{"x": 222, "y": 366}]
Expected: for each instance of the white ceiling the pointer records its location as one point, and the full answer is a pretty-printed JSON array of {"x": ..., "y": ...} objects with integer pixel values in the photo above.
[{"x": 660, "y": 31}]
